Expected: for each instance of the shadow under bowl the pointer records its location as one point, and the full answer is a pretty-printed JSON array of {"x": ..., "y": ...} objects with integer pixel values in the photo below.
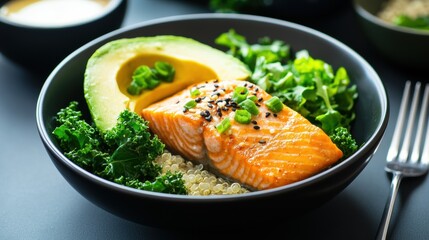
[{"x": 257, "y": 208}]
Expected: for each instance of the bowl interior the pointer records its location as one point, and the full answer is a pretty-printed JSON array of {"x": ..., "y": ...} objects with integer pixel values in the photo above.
[{"x": 66, "y": 84}]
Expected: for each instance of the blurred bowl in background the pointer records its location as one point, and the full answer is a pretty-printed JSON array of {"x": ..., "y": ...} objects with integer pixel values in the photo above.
[
  {"x": 405, "y": 46},
  {"x": 39, "y": 34}
]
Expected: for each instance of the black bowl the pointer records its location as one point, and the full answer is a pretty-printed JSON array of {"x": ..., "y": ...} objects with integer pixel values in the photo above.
[
  {"x": 65, "y": 84},
  {"x": 402, "y": 46},
  {"x": 41, "y": 48}
]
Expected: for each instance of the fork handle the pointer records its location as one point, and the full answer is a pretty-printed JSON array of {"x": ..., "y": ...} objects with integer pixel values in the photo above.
[{"x": 387, "y": 213}]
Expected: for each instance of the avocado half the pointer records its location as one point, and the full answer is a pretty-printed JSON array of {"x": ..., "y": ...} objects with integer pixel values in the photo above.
[{"x": 109, "y": 72}]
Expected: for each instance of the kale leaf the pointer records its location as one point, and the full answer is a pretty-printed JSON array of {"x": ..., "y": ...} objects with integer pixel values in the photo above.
[{"x": 125, "y": 154}]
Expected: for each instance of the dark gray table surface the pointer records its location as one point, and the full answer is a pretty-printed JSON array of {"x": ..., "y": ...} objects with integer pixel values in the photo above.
[{"x": 37, "y": 203}]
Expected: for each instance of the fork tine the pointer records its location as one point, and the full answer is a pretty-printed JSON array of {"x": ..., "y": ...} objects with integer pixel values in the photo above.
[
  {"x": 404, "y": 153},
  {"x": 420, "y": 128},
  {"x": 394, "y": 146}
]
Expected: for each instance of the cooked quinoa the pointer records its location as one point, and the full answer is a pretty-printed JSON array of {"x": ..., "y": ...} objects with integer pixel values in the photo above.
[
  {"x": 198, "y": 181},
  {"x": 411, "y": 8}
]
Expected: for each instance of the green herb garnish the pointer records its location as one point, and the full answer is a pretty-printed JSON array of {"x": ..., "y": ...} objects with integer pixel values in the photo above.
[
  {"x": 240, "y": 94},
  {"x": 274, "y": 104},
  {"x": 145, "y": 77},
  {"x": 224, "y": 125},
  {"x": 242, "y": 116},
  {"x": 190, "y": 104},
  {"x": 249, "y": 106}
]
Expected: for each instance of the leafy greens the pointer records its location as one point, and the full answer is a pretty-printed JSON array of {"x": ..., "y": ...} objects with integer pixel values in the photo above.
[
  {"x": 125, "y": 154},
  {"x": 307, "y": 85}
]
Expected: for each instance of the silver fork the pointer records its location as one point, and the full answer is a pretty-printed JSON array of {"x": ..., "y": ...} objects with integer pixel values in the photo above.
[{"x": 400, "y": 163}]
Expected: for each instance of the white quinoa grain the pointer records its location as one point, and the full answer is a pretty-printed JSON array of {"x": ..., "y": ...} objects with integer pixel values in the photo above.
[{"x": 198, "y": 181}]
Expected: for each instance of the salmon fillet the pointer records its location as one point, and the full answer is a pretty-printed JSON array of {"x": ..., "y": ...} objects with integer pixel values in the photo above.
[{"x": 273, "y": 150}]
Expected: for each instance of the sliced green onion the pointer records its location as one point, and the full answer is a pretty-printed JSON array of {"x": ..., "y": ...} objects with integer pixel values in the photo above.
[
  {"x": 240, "y": 94},
  {"x": 195, "y": 92},
  {"x": 224, "y": 125},
  {"x": 190, "y": 104},
  {"x": 250, "y": 106},
  {"x": 242, "y": 116},
  {"x": 274, "y": 104},
  {"x": 253, "y": 98},
  {"x": 164, "y": 71}
]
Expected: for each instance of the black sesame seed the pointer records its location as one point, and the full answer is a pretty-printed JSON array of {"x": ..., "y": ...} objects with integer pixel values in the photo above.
[
  {"x": 251, "y": 86},
  {"x": 216, "y": 85},
  {"x": 219, "y": 114},
  {"x": 260, "y": 99},
  {"x": 216, "y": 81},
  {"x": 198, "y": 99},
  {"x": 275, "y": 114},
  {"x": 267, "y": 114},
  {"x": 256, "y": 127},
  {"x": 257, "y": 104},
  {"x": 209, "y": 105},
  {"x": 245, "y": 85},
  {"x": 224, "y": 109},
  {"x": 262, "y": 141},
  {"x": 210, "y": 101},
  {"x": 208, "y": 118},
  {"x": 257, "y": 89},
  {"x": 185, "y": 110},
  {"x": 254, "y": 122},
  {"x": 177, "y": 102},
  {"x": 206, "y": 112},
  {"x": 203, "y": 114}
]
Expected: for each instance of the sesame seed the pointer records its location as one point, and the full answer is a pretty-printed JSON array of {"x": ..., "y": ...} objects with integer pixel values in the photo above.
[
  {"x": 275, "y": 114},
  {"x": 208, "y": 118},
  {"x": 256, "y": 127},
  {"x": 185, "y": 110},
  {"x": 257, "y": 89},
  {"x": 262, "y": 141},
  {"x": 178, "y": 102},
  {"x": 209, "y": 105},
  {"x": 260, "y": 99},
  {"x": 267, "y": 114},
  {"x": 198, "y": 99},
  {"x": 254, "y": 122}
]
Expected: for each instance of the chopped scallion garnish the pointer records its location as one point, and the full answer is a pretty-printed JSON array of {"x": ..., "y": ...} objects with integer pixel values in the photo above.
[
  {"x": 253, "y": 98},
  {"x": 195, "y": 92},
  {"x": 164, "y": 71},
  {"x": 240, "y": 94},
  {"x": 274, "y": 104},
  {"x": 224, "y": 125},
  {"x": 190, "y": 104},
  {"x": 250, "y": 106},
  {"x": 242, "y": 116}
]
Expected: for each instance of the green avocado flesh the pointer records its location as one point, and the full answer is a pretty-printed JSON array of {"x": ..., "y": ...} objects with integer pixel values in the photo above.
[{"x": 109, "y": 72}]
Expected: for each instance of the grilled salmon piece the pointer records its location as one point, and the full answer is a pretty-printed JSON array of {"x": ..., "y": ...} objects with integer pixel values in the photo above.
[{"x": 273, "y": 150}]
